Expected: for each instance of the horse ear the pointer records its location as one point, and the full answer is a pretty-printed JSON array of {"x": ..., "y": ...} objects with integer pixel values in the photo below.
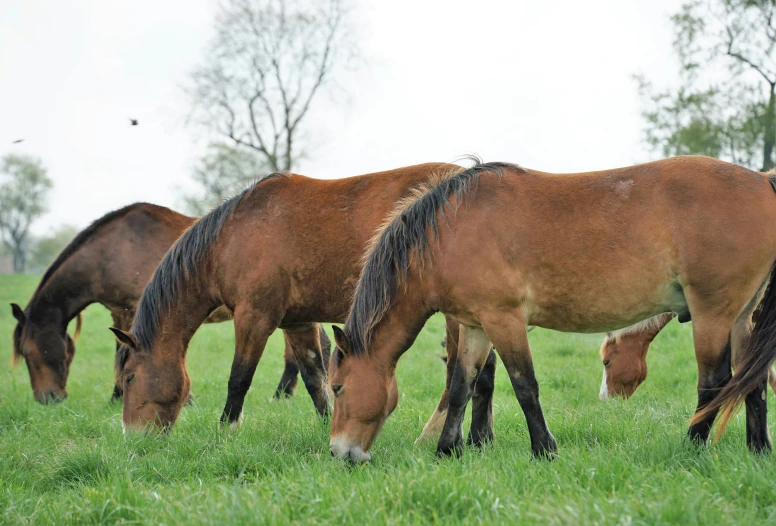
[
  {"x": 18, "y": 313},
  {"x": 341, "y": 340},
  {"x": 124, "y": 338}
]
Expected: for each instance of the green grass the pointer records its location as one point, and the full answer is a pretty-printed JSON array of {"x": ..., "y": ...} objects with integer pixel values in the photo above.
[{"x": 620, "y": 462}]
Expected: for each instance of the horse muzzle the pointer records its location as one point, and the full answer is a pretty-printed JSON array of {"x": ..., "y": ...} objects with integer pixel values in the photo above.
[{"x": 340, "y": 447}]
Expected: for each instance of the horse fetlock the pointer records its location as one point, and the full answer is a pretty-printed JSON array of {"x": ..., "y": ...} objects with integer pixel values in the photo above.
[
  {"x": 547, "y": 449},
  {"x": 235, "y": 424}
]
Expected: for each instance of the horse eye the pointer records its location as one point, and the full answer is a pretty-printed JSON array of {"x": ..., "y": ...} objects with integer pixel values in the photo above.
[
  {"x": 130, "y": 378},
  {"x": 606, "y": 362},
  {"x": 337, "y": 389}
]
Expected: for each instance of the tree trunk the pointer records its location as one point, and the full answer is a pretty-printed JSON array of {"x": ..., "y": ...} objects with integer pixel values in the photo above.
[
  {"x": 769, "y": 137},
  {"x": 18, "y": 260}
]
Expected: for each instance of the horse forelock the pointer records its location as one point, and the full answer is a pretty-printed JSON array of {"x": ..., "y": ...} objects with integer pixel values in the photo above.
[
  {"x": 404, "y": 235},
  {"x": 181, "y": 263},
  {"x": 16, "y": 353}
]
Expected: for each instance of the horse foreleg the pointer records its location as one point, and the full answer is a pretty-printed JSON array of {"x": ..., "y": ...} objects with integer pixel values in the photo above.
[
  {"x": 473, "y": 353},
  {"x": 250, "y": 339},
  {"x": 510, "y": 338}
]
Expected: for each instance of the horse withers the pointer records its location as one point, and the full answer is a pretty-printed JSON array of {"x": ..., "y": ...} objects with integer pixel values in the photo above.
[{"x": 589, "y": 252}]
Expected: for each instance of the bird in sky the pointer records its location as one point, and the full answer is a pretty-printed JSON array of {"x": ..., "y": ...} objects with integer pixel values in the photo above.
[
  {"x": 133, "y": 122},
  {"x": 17, "y": 141}
]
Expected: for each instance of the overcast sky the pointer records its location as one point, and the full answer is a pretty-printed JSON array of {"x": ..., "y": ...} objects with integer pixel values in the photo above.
[{"x": 544, "y": 84}]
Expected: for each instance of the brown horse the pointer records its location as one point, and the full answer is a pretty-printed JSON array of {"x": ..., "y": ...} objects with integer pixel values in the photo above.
[
  {"x": 624, "y": 355},
  {"x": 108, "y": 263},
  {"x": 284, "y": 253},
  {"x": 562, "y": 253}
]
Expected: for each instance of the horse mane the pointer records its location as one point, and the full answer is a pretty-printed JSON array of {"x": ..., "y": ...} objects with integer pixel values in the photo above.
[
  {"x": 180, "y": 263},
  {"x": 405, "y": 234}
]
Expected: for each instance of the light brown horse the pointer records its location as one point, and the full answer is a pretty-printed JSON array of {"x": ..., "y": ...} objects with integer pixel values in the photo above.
[
  {"x": 109, "y": 263},
  {"x": 498, "y": 248},
  {"x": 624, "y": 356},
  {"x": 285, "y": 253}
]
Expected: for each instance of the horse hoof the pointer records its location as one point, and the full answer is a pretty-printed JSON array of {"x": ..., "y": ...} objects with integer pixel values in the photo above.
[{"x": 453, "y": 450}]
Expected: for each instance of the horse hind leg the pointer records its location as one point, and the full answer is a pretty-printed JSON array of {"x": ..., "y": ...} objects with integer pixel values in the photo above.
[
  {"x": 756, "y": 402},
  {"x": 305, "y": 341},
  {"x": 712, "y": 340},
  {"x": 481, "y": 430},
  {"x": 473, "y": 352}
]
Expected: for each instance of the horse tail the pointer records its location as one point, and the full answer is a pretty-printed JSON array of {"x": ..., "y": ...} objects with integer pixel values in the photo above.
[
  {"x": 78, "y": 323},
  {"x": 755, "y": 362}
]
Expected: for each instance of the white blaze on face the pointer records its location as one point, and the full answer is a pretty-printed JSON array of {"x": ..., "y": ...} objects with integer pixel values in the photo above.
[{"x": 603, "y": 394}]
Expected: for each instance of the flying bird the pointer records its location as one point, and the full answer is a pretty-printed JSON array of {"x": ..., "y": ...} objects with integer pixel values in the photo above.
[
  {"x": 17, "y": 141},
  {"x": 133, "y": 122}
]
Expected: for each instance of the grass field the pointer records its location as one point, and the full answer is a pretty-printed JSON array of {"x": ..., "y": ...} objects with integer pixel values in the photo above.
[{"x": 620, "y": 462}]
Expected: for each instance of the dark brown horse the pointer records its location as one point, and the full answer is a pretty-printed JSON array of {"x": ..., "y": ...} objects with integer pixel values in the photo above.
[
  {"x": 285, "y": 253},
  {"x": 108, "y": 263},
  {"x": 590, "y": 252}
]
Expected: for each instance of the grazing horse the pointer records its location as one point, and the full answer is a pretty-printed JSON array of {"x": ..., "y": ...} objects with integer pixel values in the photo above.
[
  {"x": 498, "y": 248},
  {"x": 284, "y": 253},
  {"x": 624, "y": 355},
  {"x": 108, "y": 263}
]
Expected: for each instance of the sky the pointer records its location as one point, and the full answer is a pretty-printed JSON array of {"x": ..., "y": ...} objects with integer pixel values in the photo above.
[{"x": 547, "y": 85}]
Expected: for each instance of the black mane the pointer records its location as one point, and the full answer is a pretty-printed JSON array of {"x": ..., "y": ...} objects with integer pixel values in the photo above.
[
  {"x": 79, "y": 240},
  {"x": 406, "y": 235},
  {"x": 181, "y": 261}
]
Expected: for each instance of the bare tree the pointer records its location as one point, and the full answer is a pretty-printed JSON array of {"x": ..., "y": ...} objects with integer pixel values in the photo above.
[
  {"x": 266, "y": 64},
  {"x": 219, "y": 174},
  {"x": 22, "y": 201}
]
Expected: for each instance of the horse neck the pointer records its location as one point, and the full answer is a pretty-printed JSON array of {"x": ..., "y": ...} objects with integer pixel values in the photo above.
[
  {"x": 178, "y": 323},
  {"x": 63, "y": 296},
  {"x": 397, "y": 330}
]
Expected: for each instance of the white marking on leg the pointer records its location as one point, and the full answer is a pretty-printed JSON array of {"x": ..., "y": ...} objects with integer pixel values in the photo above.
[
  {"x": 237, "y": 423},
  {"x": 311, "y": 354},
  {"x": 433, "y": 427},
  {"x": 603, "y": 394}
]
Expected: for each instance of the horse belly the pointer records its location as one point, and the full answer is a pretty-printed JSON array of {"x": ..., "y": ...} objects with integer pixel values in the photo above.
[{"x": 581, "y": 309}]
